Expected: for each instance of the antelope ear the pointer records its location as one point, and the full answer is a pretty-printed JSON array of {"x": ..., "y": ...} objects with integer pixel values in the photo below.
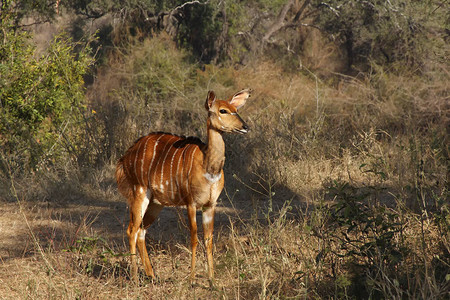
[
  {"x": 239, "y": 99},
  {"x": 210, "y": 99}
]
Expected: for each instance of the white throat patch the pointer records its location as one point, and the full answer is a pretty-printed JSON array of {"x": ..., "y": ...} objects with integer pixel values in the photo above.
[{"x": 213, "y": 178}]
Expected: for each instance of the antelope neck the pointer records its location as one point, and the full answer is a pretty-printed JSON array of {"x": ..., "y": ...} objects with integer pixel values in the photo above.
[{"x": 215, "y": 152}]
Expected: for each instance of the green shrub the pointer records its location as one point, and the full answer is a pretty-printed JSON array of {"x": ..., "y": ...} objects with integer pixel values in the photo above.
[
  {"x": 149, "y": 87},
  {"x": 376, "y": 244},
  {"x": 41, "y": 99}
]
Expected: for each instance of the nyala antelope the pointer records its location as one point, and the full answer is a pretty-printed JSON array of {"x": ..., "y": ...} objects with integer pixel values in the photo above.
[{"x": 163, "y": 169}]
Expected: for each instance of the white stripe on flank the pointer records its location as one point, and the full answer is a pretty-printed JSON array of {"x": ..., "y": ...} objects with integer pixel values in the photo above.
[
  {"x": 185, "y": 163},
  {"x": 171, "y": 176},
  {"x": 165, "y": 157},
  {"x": 179, "y": 183},
  {"x": 136, "y": 158},
  {"x": 189, "y": 172},
  {"x": 155, "y": 171},
  {"x": 153, "y": 158},
  {"x": 142, "y": 161}
]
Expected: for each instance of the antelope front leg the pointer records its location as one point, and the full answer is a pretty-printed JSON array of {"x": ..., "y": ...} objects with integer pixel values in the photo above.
[
  {"x": 194, "y": 239},
  {"x": 208, "y": 226}
]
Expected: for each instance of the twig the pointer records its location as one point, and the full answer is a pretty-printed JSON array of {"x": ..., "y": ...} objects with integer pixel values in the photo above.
[{"x": 190, "y": 3}]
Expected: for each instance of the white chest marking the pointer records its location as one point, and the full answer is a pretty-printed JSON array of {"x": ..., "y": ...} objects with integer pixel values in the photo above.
[{"x": 212, "y": 178}]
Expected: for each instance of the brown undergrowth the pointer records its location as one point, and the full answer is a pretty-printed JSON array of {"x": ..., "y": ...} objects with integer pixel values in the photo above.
[{"x": 340, "y": 190}]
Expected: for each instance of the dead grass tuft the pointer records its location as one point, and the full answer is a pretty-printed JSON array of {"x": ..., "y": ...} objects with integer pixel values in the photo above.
[{"x": 339, "y": 190}]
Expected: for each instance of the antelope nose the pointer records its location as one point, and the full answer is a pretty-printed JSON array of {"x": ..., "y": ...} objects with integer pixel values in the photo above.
[{"x": 245, "y": 127}]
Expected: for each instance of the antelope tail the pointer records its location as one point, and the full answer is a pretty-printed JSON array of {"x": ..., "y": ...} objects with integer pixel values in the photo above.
[{"x": 122, "y": 183}]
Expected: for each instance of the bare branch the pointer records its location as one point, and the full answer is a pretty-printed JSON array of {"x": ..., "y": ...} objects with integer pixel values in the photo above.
[
  {"x": 334, "y": 10},
  {"x": 190, "y": 3},
  {"x": 170, "y": 20},
  {"x": 279, "y": 22},
  {"x": 301, "y": 10}
]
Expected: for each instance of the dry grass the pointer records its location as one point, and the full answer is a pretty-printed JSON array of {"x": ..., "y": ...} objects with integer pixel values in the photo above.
[
  {"x": 288, "y": 253},
  {"x": 375, "y": 146}
]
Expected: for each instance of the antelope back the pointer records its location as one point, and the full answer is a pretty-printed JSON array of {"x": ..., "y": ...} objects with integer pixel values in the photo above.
[{"x": 161, "y": 162}]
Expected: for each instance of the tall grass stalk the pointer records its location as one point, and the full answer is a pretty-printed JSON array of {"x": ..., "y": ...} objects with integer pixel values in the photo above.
[{"x": 17, "y": 199}]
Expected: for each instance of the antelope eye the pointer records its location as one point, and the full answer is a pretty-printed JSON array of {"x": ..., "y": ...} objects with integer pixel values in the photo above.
[{"x": 223, "y": 111}]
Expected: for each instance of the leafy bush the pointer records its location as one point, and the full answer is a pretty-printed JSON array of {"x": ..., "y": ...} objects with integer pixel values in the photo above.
[
  {"x": 41, "y": 99},
  {"x": 149, "y": 87},
  {"x": 376, "y": 244},
  {"x": 15, "y": 12}
]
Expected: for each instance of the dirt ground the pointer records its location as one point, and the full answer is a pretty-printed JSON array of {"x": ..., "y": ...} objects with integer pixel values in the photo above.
[{"x": 37, "y": 237}]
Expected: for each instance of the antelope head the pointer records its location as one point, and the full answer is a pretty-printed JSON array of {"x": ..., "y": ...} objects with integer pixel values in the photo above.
[{"x": 223, "y": 116}]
